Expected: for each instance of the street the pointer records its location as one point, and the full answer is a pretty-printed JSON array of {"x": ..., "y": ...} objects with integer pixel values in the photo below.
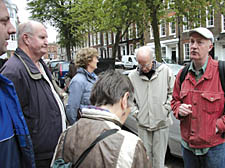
[{"x": 174, "y": 162}]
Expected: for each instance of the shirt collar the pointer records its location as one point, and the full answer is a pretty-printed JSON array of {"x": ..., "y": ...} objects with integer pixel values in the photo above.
[{"x": 203, "y": 68}]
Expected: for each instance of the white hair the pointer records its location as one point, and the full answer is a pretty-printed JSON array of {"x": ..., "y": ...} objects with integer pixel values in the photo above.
[
  {"x": 145, "y": 49},
  {"x": 27, "y": 27}
]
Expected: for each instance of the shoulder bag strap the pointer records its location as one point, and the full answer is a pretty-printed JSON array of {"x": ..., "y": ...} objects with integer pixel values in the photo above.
[
  {"x": 222, "y": 73},
  {"x": 99, "y": 138},
  {"x": 184, "y": 73}
]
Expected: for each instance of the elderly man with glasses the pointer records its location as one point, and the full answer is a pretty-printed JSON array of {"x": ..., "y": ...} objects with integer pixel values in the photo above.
[{"x": 153, "y": 85}]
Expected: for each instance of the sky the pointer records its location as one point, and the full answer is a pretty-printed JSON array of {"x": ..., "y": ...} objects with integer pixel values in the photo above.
[{"x": 24, "y": 14}]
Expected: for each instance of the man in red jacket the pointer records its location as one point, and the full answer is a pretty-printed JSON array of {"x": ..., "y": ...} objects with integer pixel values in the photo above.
[{"x": 199, "y": 104}]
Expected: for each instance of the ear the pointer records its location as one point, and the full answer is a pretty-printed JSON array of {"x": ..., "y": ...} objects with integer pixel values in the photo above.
[
  {"x": 124, "y": 102},
  {"x": 210, "y": 46},
  {"x": 25, "y": 39}
]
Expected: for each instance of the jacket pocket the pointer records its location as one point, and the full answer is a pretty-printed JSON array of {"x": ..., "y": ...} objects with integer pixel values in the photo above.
[
  {"x": 183, "y": 96},
  {"x": 211, "y": 102}
]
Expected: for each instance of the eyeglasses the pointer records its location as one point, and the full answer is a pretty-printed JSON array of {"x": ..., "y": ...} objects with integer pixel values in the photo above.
[{"x": 144, "y": 66}]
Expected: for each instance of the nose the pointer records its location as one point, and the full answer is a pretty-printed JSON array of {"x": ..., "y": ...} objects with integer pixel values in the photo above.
[
  {"x": 194, "y": 44},
  {"x": 11, "y": 29}
]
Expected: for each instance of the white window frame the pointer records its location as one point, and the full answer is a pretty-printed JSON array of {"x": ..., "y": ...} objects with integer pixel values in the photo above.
[
  {"x": 114, "y": 38},
  {"x": 223, "y": 23},
  {"x": 136, "y": 31},
  {"x": 163, "y": 28},
  {"x": 110, "y": 37},
  {"x": 99, "y": 37},
  {"x": 210, "y": 18},
  {"x": 104, "y": 39},
  {"x": 171, "y": 28},
  {"x": 13, "y": 37},
  {"x": 186, "y": 51},
  {"x": 138, "y": 45},
  {"x": 99, "y": 52},
  {"x": 110, "y": 52},
  {"x": 94, "y": 37},
  {"x": 130, "y": 32},
  {"x": 131, "y": 49},
  {"x": 123, "y": 50},
  {"x": 91, "y": 39}
]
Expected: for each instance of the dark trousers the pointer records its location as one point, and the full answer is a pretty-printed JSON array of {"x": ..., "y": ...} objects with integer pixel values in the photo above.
[{"x": 215, "y": 158}]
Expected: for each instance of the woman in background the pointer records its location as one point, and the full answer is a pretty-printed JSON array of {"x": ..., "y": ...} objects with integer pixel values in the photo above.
[{"x": 81, "y": 84}]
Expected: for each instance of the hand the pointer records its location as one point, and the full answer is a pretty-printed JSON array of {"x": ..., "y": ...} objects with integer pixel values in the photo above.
[{"x": 185, "y": 109}]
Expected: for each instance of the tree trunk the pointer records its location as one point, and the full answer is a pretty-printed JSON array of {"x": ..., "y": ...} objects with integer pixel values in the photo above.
[
  {"x": 155, "y": 28},
  {"x": 116, "y": 44}
]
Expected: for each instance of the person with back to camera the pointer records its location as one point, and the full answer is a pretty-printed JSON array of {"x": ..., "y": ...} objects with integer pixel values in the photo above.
[
  {"x": 16, "y": 149},
  {"x": 198, "y": 102},
  {"x": 112, "y": 97},
  {"x": 81, "y": 84},
  {"x": 41, "y": 105}
]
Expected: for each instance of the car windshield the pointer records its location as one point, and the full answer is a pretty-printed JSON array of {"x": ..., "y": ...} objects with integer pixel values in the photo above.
[{"x": 65, "y": 66}]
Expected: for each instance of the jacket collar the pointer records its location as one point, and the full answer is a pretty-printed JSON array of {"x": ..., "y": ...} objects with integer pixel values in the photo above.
[
  {"x": 207, "y": 74},
  {"x": 100, "y": 114},
  {"x": 90, "y": 76},
  {"x": 156, "y": 67},
  {"x": 32, "y": 70}
]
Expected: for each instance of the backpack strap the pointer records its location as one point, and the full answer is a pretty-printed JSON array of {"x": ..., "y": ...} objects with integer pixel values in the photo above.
[
  {"x": 99, "y": 138},
  {"x": 184, "y": 73},
  {"x": 222, "y": 73},
  {"x": 222, "y": 80}
]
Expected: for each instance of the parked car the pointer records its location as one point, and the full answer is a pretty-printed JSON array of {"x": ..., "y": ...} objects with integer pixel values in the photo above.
[
  {"x": 52, "y": 64},
  {"x": 60, "y": 71},
  {"x": 118, "y": 64},
  {"x": 174, "y": 142},
  {"x": 129, "y": 61}
]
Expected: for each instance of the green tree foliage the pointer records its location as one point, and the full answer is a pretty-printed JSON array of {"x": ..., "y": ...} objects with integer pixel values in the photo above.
[{"x": 75, "y": 18}]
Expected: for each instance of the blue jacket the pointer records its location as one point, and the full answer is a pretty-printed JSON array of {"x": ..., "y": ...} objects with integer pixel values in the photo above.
[
  {"x": 79, "y": 93},
  {"x": 16, "y": 150},
  {"x": 39, "y": 106}
]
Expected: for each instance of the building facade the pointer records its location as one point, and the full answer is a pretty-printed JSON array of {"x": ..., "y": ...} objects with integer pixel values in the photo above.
[{"x": 174, "y": 39}]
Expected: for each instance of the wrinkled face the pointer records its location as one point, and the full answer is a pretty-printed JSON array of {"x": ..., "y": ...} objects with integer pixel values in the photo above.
[
  {"x": 6, "y": 28},
  {"x": 38, "y": 41},
  {"x": 199, "y": 47},
  {"x": 144, "y": 63},
  {"x": 93, "y": 63}
]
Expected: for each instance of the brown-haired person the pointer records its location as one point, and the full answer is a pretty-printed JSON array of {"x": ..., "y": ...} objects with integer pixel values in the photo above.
[
  {"x": 112, "y": 97},
  {"x": 81, "y": 84}
]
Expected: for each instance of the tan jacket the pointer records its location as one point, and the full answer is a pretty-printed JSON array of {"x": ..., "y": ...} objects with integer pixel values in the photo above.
[
  {"x": 120, "y": 150},
  {"x": 153, "y": 97}
]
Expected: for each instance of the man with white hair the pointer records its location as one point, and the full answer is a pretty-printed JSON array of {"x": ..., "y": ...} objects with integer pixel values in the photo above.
[
  {"x": 198, "y": 102},
  {"x": 41, "y": 105},
  {"x": 16, "y": 149},
  {"x": 153, "y": 84}
]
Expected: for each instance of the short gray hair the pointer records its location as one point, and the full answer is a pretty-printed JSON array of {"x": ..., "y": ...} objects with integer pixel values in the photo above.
[
  {"x": 110, "y": 88},
  {"x": 145, "y": 49},
  {"x": 27, "y": 27}
]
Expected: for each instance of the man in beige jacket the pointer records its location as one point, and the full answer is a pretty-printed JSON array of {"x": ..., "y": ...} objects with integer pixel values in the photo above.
[{"x": 153, "y": 85}]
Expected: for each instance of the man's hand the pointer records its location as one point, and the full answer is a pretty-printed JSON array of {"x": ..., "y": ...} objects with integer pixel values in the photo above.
[{"x": 185, "y": 109}]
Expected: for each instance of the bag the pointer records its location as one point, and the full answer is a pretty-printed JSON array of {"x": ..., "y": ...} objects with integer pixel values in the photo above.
[{"x": 60, "y": 163}]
